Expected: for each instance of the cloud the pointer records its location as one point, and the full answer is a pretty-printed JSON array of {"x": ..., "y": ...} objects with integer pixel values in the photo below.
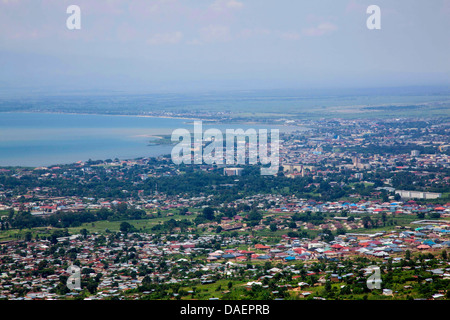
[
  {"x": 355, "y": 7},
  {"x": 9, "y": 1},
  {"x": 165, "y": 38},
  {"x": 220, "y": 5},
  {"x": 320, "y": 30}
]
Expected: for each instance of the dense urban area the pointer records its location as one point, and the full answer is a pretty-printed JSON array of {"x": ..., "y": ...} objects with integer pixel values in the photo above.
[{"x": 350, "y": 194}]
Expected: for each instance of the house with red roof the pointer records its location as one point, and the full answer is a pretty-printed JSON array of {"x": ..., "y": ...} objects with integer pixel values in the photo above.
[{"x": 261, "y": 247}]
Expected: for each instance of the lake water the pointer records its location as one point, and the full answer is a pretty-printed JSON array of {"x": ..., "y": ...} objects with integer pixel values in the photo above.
[{"x": 44, "y": 139}]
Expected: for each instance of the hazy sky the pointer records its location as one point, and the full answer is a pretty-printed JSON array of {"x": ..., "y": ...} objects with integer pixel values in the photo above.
[{"x": 176, "y": 45}]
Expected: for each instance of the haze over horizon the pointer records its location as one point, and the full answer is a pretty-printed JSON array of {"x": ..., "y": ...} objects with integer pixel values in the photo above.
[{"x": 175, "y": 45}]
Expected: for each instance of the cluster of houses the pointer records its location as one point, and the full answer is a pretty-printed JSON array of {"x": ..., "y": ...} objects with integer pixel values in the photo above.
[
  {"x": 31, "y": 270},
  {"x": 280, "y": 209},
  {"x": 25, "y": 265},
  {"x": 337, "y": 146},
  {"x": 272, "y": 203},
  {"x": 429, "y": 235}
]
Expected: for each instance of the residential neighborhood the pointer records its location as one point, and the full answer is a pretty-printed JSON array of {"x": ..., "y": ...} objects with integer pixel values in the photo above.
[{"x": 349, "y": 195}]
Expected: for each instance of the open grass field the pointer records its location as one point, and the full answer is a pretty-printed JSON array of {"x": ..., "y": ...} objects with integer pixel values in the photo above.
[
  {"x": 16, "y": 234},
  {"x": 143, "y": 225}
]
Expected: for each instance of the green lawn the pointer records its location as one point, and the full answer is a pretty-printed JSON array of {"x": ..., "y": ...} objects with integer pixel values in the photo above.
[
  {"x": 4, "y": 212},
  {"x": 143, "y": 225},
  {"x": 212, "y": 290},
  {"x": 16, "y": 234}
]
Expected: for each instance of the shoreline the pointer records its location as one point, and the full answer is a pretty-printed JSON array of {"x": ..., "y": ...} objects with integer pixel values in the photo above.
[
  {"x": 205, "y": 121},
  {"x": 102, "y": 114},
  {"x": 155, "y": 139}
]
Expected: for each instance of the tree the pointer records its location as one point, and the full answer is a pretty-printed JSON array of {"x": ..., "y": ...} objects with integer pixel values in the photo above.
[
  {"x": 292, "y": 225},
  {"x": 84, "y": 233},
  {"x": 327, "y": 235},
  {"x": 126, "y": 227},
  {"x": 28, "y": 236},
  {"x": 273, "y": 227},
  {"x": 383, "y": 218},
  {"x": 10, "y": 214},
  {"x": 122, "y": 207},
  {"x": 292, "y": 234},
  {"x": 208, "y": 213},
  {"x": 255, "y": 216},
  {"x": 53, "y": 239},
  {"x": 345, "y": 290},
  {"x": 147, "y": 280},
  {"x": 407, "y": 255},
  {"x": 92, "y": 286},
  {"x": 367, "y": 222},
  {"x": 434, "y": 215},
  {"x": 327, "y": 286}
]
